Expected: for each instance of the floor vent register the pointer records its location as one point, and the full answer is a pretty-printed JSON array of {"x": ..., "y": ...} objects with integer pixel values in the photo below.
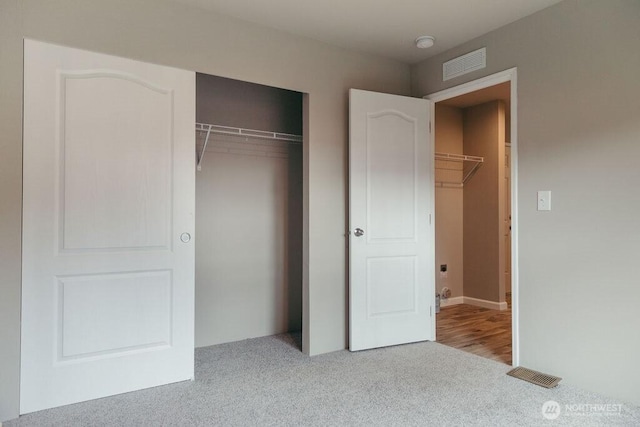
[{"x": 534, "y": 377}]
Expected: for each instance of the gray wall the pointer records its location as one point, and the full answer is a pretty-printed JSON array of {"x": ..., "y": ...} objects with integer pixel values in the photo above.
[
  {"x": 235, "y": 103},
  {"x": 482, "y": 223},
  {"x": 10, "y": 205},
  {"x": 448, "y": 200},
  {"x": 248, "y": 272},
  {"x": 158, "y": 31},
  {"x": 578, "y": 127}
]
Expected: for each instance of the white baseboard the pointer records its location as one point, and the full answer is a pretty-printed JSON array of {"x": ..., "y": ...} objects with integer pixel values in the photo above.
[
  {"x": 451, "y": 301},
  {"x": 486, "y": 304},
  {"x": 474, "y": 301}
]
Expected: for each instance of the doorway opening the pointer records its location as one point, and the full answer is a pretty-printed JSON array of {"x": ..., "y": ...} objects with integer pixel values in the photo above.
[
  {"x": 249, "y": 210},
  {"x": 474, "y": 170}
]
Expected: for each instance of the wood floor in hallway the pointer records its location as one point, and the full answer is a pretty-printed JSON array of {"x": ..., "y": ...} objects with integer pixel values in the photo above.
[{"x": 476, "y": 330}]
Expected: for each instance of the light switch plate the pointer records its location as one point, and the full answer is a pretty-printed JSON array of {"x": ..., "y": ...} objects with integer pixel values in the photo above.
[{"x": 544, "y": 200}]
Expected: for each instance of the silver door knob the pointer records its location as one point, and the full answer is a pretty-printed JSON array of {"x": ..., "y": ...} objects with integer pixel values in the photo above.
[
  {"x": 185, "y": 237},
  {"x": 359, "y": 232}
]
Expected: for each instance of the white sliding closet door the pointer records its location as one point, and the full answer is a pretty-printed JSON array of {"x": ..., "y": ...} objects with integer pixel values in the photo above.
[{"x": 108, "y": 263}]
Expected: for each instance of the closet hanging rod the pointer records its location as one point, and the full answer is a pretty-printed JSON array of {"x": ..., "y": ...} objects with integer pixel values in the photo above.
[{"x": 228, "y": 130}]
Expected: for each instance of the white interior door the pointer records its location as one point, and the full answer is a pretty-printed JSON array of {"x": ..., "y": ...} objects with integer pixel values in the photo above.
[
  {"x": 108, "y": 275},
  {"x": 391, "y": 261}
]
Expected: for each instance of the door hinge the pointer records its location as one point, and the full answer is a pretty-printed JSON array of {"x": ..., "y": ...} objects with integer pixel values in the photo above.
[
  {"x": 429, "y": 219},
  {"x": 430, "y": 311},
  {"x": 429, "y": 127}
]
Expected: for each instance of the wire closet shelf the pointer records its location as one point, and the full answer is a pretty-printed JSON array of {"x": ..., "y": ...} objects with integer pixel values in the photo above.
[
  {"x": 209, "y": 129},
  {"x": 473, "y": 162}
]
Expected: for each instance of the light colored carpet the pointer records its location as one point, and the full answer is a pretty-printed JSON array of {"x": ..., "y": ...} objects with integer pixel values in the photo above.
[{"x": 267, "y": 381}]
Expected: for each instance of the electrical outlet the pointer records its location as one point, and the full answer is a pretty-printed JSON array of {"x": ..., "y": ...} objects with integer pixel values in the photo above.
[{"x": 443, "y": 271}]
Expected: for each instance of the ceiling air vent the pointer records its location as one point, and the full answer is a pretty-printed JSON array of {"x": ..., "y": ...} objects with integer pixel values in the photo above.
[{"x": 464, "y": 64}]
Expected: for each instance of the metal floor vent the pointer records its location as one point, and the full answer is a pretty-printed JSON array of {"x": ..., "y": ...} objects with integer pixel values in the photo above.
[{"x": 535, "y": 377}]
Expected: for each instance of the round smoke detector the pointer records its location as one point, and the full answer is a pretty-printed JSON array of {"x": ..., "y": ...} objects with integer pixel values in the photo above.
[{"x": 424, "y": 42}]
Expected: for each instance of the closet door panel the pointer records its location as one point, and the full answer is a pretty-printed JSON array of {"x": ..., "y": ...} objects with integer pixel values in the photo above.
[
  {"x": 116, "y": 170},
  {"x": 108, "y": 283}
]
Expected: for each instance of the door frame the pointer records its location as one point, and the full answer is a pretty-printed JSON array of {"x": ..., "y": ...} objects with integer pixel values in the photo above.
[{"x": 509, "y": 75}]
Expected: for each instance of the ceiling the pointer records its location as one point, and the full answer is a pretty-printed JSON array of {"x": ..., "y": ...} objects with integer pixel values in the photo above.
[
  {"x": 382, "y": 27},
  {"x": 500, "y": 91}
]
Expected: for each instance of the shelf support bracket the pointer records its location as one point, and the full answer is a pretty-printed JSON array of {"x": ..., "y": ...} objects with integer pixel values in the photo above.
[
  {"x": 204, "y": 148},
  {"x": 471, "y": 172}
]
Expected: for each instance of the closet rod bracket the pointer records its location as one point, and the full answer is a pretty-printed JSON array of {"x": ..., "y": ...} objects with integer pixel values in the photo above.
[
  {"x": 476, "y": 162},
  {"x": 204, "y": 147}
]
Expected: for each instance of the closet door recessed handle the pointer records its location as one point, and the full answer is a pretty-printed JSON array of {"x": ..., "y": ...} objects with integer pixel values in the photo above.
[{"x": 185, "y": 237}]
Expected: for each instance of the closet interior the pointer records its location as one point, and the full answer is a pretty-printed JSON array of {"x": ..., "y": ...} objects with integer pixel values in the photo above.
[
  {"x": 472, "y": 178},
  {"x": 248, "y": 210}
]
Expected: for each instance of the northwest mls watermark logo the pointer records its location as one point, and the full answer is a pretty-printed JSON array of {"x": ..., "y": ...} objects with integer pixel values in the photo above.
[{"x": 552, "y": 409}]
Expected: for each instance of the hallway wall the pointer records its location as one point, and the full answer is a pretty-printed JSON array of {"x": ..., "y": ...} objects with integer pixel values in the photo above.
[
  {"x": 483, "y": 200},
  {"x": 448, "y": 200}
]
